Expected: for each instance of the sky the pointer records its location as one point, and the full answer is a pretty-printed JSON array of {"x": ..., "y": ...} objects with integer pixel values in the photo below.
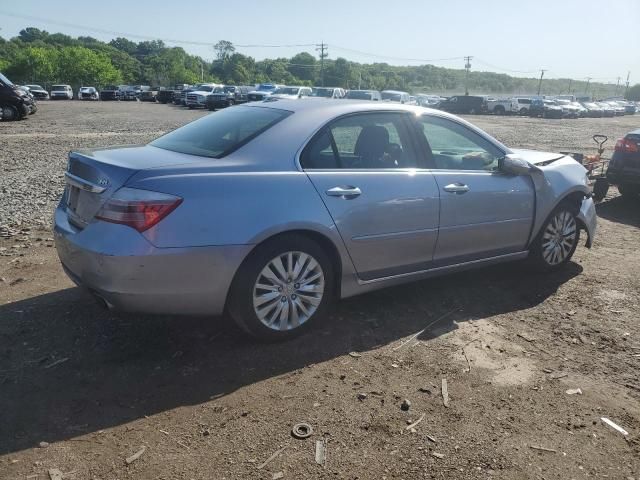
[{"x": 567, "y": 38}]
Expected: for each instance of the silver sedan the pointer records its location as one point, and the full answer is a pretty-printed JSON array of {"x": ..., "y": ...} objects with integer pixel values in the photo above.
[{"x": 271, "y": 211}]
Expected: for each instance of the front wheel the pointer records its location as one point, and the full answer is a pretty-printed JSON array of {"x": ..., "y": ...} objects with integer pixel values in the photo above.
[
  {"x": 283, "y": 287},
  {"x": 9, "y": 113},
  {"x": 558, "y": 239}
]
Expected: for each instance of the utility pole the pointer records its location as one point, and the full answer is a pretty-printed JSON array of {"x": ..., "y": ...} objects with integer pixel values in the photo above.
[
  {"x": 540, "y": 81},
  {"x": 618, "y": 85},
  {"x": 626, "y": 89},
  {"x": 467, "y": 67},
  {"x": 586, "y": 89},
  {"x": 323, "y": 48},
  {"x": 201, "y": 72},
  {"x": 569, "y": 89}
]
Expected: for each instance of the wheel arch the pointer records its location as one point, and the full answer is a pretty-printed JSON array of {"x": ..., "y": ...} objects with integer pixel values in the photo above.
[
  {"x": 574, "y": 197},
  {"x": 334, "y": 252}
]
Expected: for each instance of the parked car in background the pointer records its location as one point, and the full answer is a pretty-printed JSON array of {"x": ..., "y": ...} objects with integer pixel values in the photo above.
[
  {"x": 373, "y": 95},
  {"x": 15, "y": 104},
  {"x": 429, "y": 101},
  {"x": 290, "y": 93},
  {"x": 33, "y": 106},
  {"x": 470, "y": 104},
  {"x": 61, "y": 92},
  {"x": 502, "y": 106},
  {"x": 617, "y": 108},
  {"x": 148, "y": 95},
  {"x": 624, "y": 167},
  {"x": 395, "y": 96},
  {"x": 227, "y": 96},
  {"x": 262, "y": 92},
  {"x": 88, "y": 93},
  {"x": 198, "y": 98},
  {"x": 607, "y": 110},
  {"x": 292, "y": 240},
  {"x": 545, "y": 108},
  {"x": 524, "y": 104},
  {"x": 629, "y": 107},
  {"x": 110, "y": 92},
  {"x": 180, "y": 93},
  {"x": 38, "y": 92},
  {"x": 593, "y": 110},
  {"x": 165, "y": 95},
  {"x": 327, "y": 92},
  {"x": 568, "y": 109}
]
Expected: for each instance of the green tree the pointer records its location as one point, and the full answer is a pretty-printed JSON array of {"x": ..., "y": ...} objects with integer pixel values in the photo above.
[
  {"x": 34, "y": 64},
  {"x": 81, "y": 66},
  {"x": 634, "y": 93},
  {"x": 224, "y": 49},
  {"x": 31, "y": 34},
  {"x": 303, "y": 66},
  {"x": 124, "y": 45}
]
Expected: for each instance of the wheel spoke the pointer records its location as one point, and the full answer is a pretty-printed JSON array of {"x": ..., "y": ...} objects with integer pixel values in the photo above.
[{"x": 288, "y": 291}]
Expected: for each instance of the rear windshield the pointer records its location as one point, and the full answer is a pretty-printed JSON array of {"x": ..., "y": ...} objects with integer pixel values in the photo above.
[
  {"x": 219, "y": 134},
  {"x": 5, "y": 80},
  {"x": 59, "y": 88},
  {"x": 359, "y": 95}
]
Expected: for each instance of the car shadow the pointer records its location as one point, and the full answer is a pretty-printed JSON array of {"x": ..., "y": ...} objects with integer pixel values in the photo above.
[
  {"x": 69, "y": 367},
  {"x": 620, "y": 210}
]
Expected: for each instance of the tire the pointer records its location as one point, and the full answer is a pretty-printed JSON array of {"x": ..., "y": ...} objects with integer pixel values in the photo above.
[
  {"x": 628, "y": 191},
  {"x": 499, "y": 110},
  {"x": 562, "y": 224},
  {"x": 247, "y": 304},
  {"x": 230, "y": 103},
  {"x": 9, "y": 113},
  {"x": 600, "y": 189},
  {"x": 523, "y": 111}
]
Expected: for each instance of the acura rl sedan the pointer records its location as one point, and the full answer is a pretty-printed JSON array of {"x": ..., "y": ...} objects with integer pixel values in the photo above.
[{"x": 272, "y": 211}]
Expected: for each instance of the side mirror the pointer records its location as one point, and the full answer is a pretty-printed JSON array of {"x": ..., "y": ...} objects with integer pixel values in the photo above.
[{"x": 514, "y": 165}]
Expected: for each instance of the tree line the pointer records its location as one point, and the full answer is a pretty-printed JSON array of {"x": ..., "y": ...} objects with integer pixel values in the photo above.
[{"x": 37, "y": 56}]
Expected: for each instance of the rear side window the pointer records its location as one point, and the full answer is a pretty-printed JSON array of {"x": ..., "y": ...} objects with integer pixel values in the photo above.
[
  {"x": 218, "y": 134},
  {"x": 362, "y": 141}
]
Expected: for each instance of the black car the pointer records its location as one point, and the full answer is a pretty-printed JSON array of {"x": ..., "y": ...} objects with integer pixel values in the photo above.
[
  {"x": 470, "y": 104},
  {"x": 228, "y": 95},
  {"x": 110, "y": 92},
  {"x": 148, "y": 95},
  {"x": 164, "y": 95},
  {"x": 38, "y": 92},
  {"x": 624, "y": 167},
  {"x": 14, "y": 102}
]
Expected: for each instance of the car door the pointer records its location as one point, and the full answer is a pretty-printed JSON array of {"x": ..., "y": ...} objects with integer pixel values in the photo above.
[
  {"x": 365, "y": 169},
  {"x": 483, "y": 212}
]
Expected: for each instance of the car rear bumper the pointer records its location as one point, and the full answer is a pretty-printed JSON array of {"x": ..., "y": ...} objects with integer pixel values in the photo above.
[
  {"x": 616, "y": 177},
  {"x": 588, "y": 218},
  {"x": 128, "y": 273}
]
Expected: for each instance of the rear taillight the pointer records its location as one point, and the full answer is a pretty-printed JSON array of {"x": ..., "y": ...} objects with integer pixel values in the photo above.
[
  {"x": 626, "y": 145},
  {"x": 140, "y": 209}
]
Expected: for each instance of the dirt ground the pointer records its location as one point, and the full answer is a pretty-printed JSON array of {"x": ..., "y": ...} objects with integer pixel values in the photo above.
[{"x": 82, "y": 389}]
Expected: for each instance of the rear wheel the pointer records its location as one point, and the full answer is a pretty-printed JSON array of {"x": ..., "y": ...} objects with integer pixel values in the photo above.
[
  {"x": 523, "y": 111},
  {"x": 230, "y": 103},
  {"x": 284, "y": 286},
  {"x": 558, "y": 239}
]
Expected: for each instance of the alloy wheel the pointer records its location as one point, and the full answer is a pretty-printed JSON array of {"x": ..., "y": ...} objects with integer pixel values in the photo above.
[
  {"x": 288, "y": 290},
  {"x": 559, "y": 238}
]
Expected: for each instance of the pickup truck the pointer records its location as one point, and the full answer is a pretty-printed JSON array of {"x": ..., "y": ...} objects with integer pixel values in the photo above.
[
  {"x": 502, "y": 106},
  {"x": 227, "y": 96}
]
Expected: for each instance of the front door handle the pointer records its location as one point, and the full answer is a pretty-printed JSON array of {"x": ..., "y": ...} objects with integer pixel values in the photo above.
[
  {"x": 344, "y": 192},
  {"x": 458, "y": 188}
]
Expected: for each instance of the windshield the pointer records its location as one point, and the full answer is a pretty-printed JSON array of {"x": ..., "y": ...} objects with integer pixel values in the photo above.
[
  {"x": 360, "y": 95},
  {"x": 34, "y": 87},
  {"x": 266, "y": 87},
  {"x": 220, "y": 134},
  {"x": 395, "y": 97},
  {"x": 59, "y": 88},
  {"x": 5, "y": 80},
  {"x": 229, "y": 89},
  {"x": 286, "y": 91},
  {"x": 205, "y": 88},
  {"x": 322, "y": 92}
]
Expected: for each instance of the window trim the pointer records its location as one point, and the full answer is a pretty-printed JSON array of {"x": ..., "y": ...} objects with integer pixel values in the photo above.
[
  {"x": 428, "y": 153},
  {"x": 407, "y": 123}
]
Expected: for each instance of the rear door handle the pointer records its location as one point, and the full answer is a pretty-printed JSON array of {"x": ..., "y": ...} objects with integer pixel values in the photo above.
[
  {"x": 344, "y": 192},
  {"x": 459, "y": 188}
]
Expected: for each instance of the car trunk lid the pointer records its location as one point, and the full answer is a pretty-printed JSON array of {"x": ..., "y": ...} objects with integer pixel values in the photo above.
[{"x": 93, "y": 176}]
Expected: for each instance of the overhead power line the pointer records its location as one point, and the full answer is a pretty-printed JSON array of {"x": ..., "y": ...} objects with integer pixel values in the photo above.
[
  {"x": 388, "y": 57},
  {"x": 143, "y": 37}
]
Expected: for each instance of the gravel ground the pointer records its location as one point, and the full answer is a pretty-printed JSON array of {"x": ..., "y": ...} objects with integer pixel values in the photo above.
[{"x": 83, "y": 389}]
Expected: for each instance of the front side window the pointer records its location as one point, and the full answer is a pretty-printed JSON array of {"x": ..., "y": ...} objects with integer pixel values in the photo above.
[
  {"x": 364, "y": 141},
  {"x": 220, "y": 134},
  {"x": 456, "y": 147}
]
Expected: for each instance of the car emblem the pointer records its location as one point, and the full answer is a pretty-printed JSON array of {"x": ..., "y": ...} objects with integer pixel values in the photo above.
[{"x": 103, "y": 182}]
